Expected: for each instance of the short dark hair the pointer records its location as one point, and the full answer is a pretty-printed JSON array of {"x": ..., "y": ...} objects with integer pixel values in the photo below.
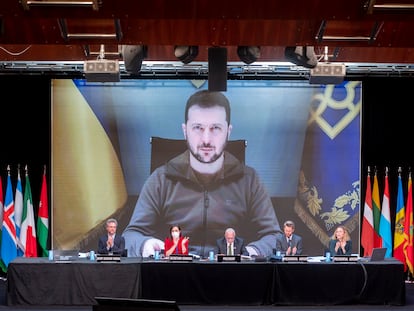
[{"x": 207, "y": 99}]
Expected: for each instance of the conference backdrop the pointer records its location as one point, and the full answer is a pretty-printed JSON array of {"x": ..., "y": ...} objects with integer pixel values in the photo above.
[{"x": 303, "y": 140}]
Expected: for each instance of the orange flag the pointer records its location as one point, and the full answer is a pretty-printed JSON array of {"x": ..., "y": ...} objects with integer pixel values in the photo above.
[{"x": 408, "y": 229}]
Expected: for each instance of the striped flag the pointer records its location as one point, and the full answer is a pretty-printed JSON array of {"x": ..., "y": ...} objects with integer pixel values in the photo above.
[
  {"x": 408, "y": 229},
  {"x": 367, "y": 235},
  {"x": 399, "y": 224},
  {"x": 43, "y": 218},
  {"x": 8, "y": 237},
  {"x": 28, "y": 229},
  {"x": 18, "y": 211},
  {"x": 385, "y": 221},
  {"x": 2, "y": 265},
  {"x": 376, "y": 211}
]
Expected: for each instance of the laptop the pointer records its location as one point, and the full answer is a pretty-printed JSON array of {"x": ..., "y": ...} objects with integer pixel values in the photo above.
[{"x": 378, "y": 254}]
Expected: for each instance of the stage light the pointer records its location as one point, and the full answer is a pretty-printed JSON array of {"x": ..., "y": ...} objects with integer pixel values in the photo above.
[
  {"x": 186, "y": 53},
  {"x": 302, "y": 56},
  {"x": 133, "y": 56},
  {"x": 248, "y": 54}
]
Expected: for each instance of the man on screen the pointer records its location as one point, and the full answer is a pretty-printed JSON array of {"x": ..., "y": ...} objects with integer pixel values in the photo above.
[{"x": 205, "y": 189}]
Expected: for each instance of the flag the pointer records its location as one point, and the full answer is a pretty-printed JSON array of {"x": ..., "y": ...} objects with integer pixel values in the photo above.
[
  {"x": 367, "y": 235},
  {"x": 385, "y": 221},
  {"x": 43, "y": 219},
  {"x": 376, "y": 212},
  {"x": 2, "y": 265},
  {"x": 8, "y": 238},
  {"x": 408, "y": 229},
  {"x": 28, "y": 229},
  {"x": 399, "y": 225},
  {"x": 18, "y": 211}
]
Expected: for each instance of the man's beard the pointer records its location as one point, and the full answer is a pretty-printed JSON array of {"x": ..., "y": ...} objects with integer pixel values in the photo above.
[{"x": 199, "y": 157}]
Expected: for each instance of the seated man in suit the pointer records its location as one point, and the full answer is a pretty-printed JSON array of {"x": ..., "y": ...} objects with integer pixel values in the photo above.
[
  {"x": 112, "y": 243},
  {"x": 289, "y": 243},
  {"x": 230, "y": 244}
]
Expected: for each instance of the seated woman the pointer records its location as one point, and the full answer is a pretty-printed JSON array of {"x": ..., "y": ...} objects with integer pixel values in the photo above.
[
  {"x": 340, "y": 243},
  {"x": 175, "y": 243}
]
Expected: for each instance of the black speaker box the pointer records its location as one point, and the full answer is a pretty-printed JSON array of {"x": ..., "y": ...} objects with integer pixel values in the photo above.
[
  {"x": 126, "y": 304},
  {"x": 217, "y": 69}
]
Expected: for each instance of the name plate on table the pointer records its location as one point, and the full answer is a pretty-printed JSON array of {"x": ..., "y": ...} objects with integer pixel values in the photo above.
[
  {"x": 296, "y": 258},
  {"x": 228, "y": 258},
  {"x": 108, "y": 258},
  {"x": 176, "y": 257},
  {"x": 345, "y": 258}
]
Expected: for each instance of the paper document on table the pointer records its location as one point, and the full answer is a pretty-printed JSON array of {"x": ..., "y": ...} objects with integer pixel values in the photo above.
[{"x": 316, "y": 258}]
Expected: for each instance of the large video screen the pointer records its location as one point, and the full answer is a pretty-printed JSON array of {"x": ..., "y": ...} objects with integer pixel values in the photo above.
[{"x": 302, "y": 140}]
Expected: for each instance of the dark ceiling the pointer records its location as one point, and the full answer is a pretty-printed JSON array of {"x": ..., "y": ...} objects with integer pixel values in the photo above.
[{"x": 353, "y": 31}]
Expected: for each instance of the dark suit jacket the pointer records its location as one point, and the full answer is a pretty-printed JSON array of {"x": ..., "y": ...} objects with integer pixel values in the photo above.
[
  {"x": 239, "y": 247},
  {"x": 282, "y": 244},
  {"x": 118, "y": 248},
  {"x": 348, "y": 248}
]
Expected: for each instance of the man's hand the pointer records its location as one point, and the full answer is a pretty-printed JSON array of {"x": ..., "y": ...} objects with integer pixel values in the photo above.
[
  {"x": 150, "y": 246},
  {"x": 289, "y": 251},
  {"x": 110, "y": 242}
]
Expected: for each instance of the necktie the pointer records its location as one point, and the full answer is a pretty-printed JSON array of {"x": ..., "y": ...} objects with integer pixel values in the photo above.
[{"x": 229, "y": 249}]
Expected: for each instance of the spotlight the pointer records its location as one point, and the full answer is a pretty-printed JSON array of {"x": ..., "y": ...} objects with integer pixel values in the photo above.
[
  {"x": 248, "y": 54},
  {"x": 133, "y": 56},
  {"x": 186, "y": 53},
  {"x": 301, "y": 55}
]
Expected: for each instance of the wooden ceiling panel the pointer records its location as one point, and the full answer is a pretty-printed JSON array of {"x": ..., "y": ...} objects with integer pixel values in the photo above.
[{"x": 359, "y": 30}]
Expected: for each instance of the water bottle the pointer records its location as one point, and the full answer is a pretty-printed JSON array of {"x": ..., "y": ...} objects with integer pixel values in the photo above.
[
  {"x": 50, "y": 254},
  {"x": 327, "y": 256},
  {"x": 211, "y": 256},
  {"x": 92, "y": 255},
  {"x": 156, "y": 254}
]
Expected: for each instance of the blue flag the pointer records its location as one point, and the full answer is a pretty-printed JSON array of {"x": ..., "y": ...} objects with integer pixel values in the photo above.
[
  {"x": 18, "y": 212},
  {"x": 329, "y": 184},
  {"x": 8, "y": 238},
  {"x": 385, "y": 220}
]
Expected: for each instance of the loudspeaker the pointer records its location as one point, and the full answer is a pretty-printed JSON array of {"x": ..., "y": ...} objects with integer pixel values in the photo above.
[
  {"x": 133, "y": 56},
  {"x": 102, "y": 70},
  {"x": 217, "y": 69},
  {"x": 126, "y": 304},
  {"x": 327, "y": 73}
]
